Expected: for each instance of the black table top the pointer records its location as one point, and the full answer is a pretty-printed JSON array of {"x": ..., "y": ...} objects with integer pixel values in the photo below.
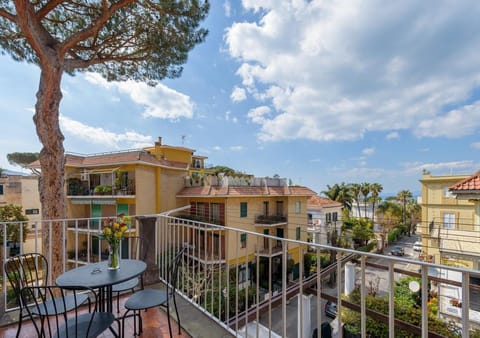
[{"x": 97, "y": 275}]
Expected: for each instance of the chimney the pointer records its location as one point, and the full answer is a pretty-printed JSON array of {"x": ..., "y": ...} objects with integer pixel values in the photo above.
[{"x": 159, "y": 142}]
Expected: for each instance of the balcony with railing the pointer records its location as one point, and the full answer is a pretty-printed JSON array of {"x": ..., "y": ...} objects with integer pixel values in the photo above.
[
  {"x": 100, "y": 183},
  {"x": 245, "y": 293},
  {"x": 263, "y": 220}
]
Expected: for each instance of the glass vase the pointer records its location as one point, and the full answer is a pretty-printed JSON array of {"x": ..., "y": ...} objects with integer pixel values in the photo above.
[{"x": 114, "y": 258}]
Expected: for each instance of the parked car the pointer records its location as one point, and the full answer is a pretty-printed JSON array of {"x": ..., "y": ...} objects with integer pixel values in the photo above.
[
  {"x": 397, "y": 251},
  {"x": 331, "y": 309},
  {"x": 417, "y": 246}
]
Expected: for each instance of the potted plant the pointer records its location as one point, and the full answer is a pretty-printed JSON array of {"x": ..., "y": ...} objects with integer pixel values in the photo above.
[{"x": 98, "y": 190}]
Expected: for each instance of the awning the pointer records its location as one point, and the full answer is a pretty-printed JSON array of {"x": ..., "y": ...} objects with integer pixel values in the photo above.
[{"x": 94, "y": 201}]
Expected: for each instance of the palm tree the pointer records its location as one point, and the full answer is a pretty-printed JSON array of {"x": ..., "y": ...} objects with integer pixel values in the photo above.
[
  {"x": 365, "y": 189},
  {"x": 339, "y": 193},
  {"x": 414, "y": 212},
  {"x": 375, "y": 190},
  {"x": 404, "y": 196},
  {"x": 388, "y": 215},
  {"x": 355, "y": 190}
]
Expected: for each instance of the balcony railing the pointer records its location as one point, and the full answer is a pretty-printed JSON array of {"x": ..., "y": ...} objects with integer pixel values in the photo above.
[
  {"x": 247, "y": 293},
  {"x": 270, "y": 219}
]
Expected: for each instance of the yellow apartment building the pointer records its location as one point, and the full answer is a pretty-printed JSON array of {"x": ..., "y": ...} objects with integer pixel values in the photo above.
[
  {"x": 262, "y": 205},
  {"x": 450, "y": 223},
  {"x": 132, "y": 182},
  {"x": 22, "y": 190}
]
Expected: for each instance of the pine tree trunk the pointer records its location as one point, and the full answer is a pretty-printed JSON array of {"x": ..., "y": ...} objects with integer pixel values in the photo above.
[{"x": 52, "y": 158}]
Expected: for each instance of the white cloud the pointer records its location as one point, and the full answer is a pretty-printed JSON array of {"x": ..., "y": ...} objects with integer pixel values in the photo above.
[
  {"x": 327, "y": 71},
  {"x": 368, "y": 151},
  {"x": 237, "y": 148},
  {"x": 238, "y": 94},
  {"x": 257, "y": 115},
  {"x": 97, "y": 135},
  {"x": 227, "y": 7},
  {"x": 392, "y": 135},
  {"x": 159, "y": 101},
  {"x": 475, "y": 145},
  {"x": 440, "y": 167}
]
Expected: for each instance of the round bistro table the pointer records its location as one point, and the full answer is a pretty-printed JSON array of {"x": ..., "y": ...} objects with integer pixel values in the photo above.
[{"x": 98, "y": 276}]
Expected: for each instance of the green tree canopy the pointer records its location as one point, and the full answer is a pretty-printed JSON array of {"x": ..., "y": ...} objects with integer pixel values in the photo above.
[
  {"x": 22, "y": 159},
  {"x": 142, "y": 40},
  {"x": 13, "y": 214}
]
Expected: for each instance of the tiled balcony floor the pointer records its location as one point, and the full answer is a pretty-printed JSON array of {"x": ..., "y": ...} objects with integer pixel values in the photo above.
[{"x": 155, "y": 324}]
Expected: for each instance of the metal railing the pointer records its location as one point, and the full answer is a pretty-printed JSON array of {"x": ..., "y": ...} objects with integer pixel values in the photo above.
[{"x": 248, "y": 293}]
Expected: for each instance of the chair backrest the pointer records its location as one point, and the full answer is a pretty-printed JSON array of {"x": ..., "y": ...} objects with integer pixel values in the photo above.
[
  {"x": 30, "y": 269},
  {"x": 173, "y": 270},
  {"x": 52, "y": 301}
]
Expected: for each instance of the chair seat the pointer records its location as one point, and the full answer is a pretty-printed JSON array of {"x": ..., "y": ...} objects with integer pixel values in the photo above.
[
  {"x": 57, "y": 305},
  {"x": 145, "y": 299},
  {"x": 127, "y": 285},
  {"x": 101, "y": 321}
]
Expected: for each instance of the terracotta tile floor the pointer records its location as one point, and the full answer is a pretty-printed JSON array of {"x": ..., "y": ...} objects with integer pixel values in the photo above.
[{"x": 155, "y": 324}]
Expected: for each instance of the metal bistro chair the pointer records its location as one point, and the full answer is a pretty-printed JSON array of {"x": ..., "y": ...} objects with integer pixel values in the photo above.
[
  {"x": 31, "y": 269},
  {"x": 136, "y": 250},
  {"x": 149, "y": 298},
  {"x": 55, "y": 322}
]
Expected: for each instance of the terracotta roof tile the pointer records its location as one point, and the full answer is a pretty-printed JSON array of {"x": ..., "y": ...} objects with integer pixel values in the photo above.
[
  {"x": 317, "y": 201},
  {"x": 119, "y": 158},
  {"x": 244, "y": 191},
  {"x": 468, "y": 184},
  {"x": 116, "y": 158}
]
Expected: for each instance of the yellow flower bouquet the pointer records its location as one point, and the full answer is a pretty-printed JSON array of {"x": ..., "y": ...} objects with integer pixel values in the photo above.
[{"x": 113, "y": 232}]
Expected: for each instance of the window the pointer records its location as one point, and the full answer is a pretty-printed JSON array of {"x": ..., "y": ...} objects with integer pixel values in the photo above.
[
  {"x": 297, "y": 231},
  {"x": 449, "y": 221},
  {"x": 32, "y": 211},
  {"x": 243, "y": 241},
  {"x": 328, "y": 217},
  {"x": 1, "y": 189},
  {"x": 265, "y": 208},
  {"x": 298, "y": 207},
  {"x": 243, "y": 209},
  {"x": 334, "y": 216},
  {"x": 215, "y": 212},
  {"x": 279, "y": 208}
]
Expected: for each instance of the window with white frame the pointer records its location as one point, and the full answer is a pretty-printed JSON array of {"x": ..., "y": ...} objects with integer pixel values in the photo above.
[{"x": 449, "y": 220}]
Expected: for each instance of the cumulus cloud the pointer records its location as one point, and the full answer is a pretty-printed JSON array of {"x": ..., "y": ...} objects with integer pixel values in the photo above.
[
  {"x": 238, "y": 94},
  {"x": 97, "y": 135},
  {"x": 327, "y": 71},
  {"x": 159, "y": 101}
]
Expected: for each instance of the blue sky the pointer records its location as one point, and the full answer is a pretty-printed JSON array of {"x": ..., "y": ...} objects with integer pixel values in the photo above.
[{"x": 318, "y": 92}]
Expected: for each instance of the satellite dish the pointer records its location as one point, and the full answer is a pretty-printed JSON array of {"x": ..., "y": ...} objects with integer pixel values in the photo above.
[{"x": 414, "y": 286}]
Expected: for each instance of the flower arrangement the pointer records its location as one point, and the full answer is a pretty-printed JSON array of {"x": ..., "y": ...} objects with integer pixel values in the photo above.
[{"x": 113, "y": 232}]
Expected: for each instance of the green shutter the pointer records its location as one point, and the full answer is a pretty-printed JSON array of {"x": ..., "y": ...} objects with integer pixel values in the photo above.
[
  {"x": 122, "y": 208},
  {"x": 243, "y": 237},
  {"x": 298, "y": 233},
  {"x": 243, "y": 209}
]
